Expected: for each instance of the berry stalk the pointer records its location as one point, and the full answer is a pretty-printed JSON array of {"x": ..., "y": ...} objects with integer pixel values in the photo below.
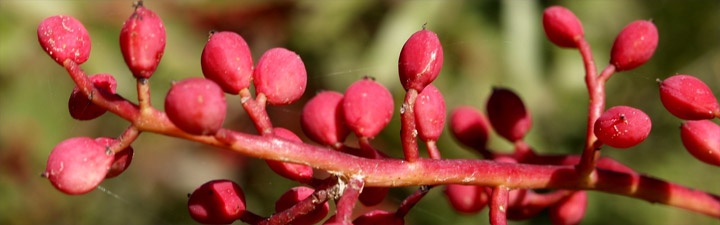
[{"x": 408, "y": 132}]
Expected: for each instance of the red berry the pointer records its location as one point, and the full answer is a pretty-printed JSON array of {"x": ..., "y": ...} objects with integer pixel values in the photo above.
[
  {"x": 421, "y": 59},
  {"x": 367, "y": 107},
  {"x": 634, "y": 45},
  {"x": 562, "y": 27},
  {"x": 297, "y": 194},
  {"x": 470, "y": 127},
  {"x": 196, "y": 106},
  {"x": 226, "y": 59},
  {"x": 372, "y": 196},
  {"x": 702, "y": 139},
  {"x": 430, "y": 113},
  {"x": 570, "y": 210},
  {"x": 508, "y": 115},
  {"x": 121, "y": 161},
  {"x": 217, "y": 202},
  {"x": 622, "y": 127},
  {"x": 81, "y": 108},
  {"x": 292, "y": 171},
  {"x": 281, "y": 76},
  {"x": 77, "y": 165},
  {"x": 468, "y": 199},
  {"x": 64, "y": 37},
  {"x": 142, "y": 41},
  {"x": 688, "y": 98},
  {"x": 379, "y": 217},
  {"x": 322, "y": 119}
]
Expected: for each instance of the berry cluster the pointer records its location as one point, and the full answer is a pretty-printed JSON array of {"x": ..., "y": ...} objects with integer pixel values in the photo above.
[{"x": 195, "y": 109}]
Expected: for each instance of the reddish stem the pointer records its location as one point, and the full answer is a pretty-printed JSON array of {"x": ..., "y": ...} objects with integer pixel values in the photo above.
[
  {"x": 347, "y": 201},
  {"x": 499, "y": 205},
  {"x": 411, "y": 200},
  {"x": 256, "y": 110},
  {"x": 307, "y": 205},
  {"x": 124, "y": 141},
  {"x": 113, "y": 103},
  {"x": 143, "y": 90},
  {"x": 433, "y": 150},
  {"x": 408, "y": 132},
  {"x": 251, "y": 218}
]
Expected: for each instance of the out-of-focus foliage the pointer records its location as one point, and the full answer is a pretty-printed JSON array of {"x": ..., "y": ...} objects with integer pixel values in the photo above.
[{"x": 486, "y": 43}]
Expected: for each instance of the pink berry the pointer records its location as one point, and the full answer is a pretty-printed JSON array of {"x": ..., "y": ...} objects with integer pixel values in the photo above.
[
  {"x": 622, "y": 127},
  {"x": 634, "y": 45},
  {"x": 64, "y": 37},
  {"x": 570, "y": 210},
  {"x": 371, "y": 196},
  {"x": 281, "y": 76},
  {"x": 322, "y": 119},
  {"x": 77, "y": 165},
  {"x": 421, "y": 59},
  {"x": 430, "y": 113},
  {"x": 562, "y": 27},
  {"x": 470, "y": 127},
  {"x": 292, "y": 171},
  {"x": 226, "y": 59},
  {"x": 142, "y": 41},
  {"x": 196, "y": 106},
  {"x": 121, "y": 161},
  {"x": 217, "y": 202},
  {"x": 379, "y": 217},
  {"x": 702, "y": 139},
  {"x": 297, "y": 194},
  {"x": 367, "y": 107},
  {"x": 468, "y": 199},
  {"x": 508, "y": 115},
  {"x": 81, "y": 108},
  {"x": 688, "y": 98}
]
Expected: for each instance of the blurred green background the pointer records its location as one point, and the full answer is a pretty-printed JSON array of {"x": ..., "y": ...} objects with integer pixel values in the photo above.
[{"x": 486, "y": 43}]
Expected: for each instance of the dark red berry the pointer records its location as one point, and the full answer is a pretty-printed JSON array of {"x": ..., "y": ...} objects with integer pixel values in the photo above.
[
  {"x": 281, "y": 76},
  {"x": 121, "y": 160},
  {"x": 508, "y": 115},
  {"x": 297, "y": 194},
  {"x": 292, "y": 171},
  {"x": 702, "y": 139},
  {"x": 371, "y": 196},
  {"x": 622, "y": 127},
  {"x": 688, "y": 98},
  {"x": 80, "y": 106},
  {"x": 430, "y": 113},
  {"x": 217, "y": 202},
  {"x": 367, "y": 107},
  {"x": 570, "y": 210},
  {"x": 421, "y": 59},
  {"x": 226, "y": 59},
  {"x": 562, "y": 27},
  {"x": 634, "y": 45},
  {"x": 322, "y": 119},
  {"x": 142, "y": 41},
  {"x": 468, "y": 199},
  {"x": 196, "y": 106},
  {"x": 470, "y": 127},
  {"x": 64, "y": 37},
  {"x": 78, "y": 165},
  {"x": 379, "y": 217}
]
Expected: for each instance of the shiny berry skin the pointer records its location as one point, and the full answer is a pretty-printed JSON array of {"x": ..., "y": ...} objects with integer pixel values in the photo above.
[
  {"x": 81, "y": 108},
  {"x": 470, "y": 127},
  {"x": 634, "y": 46},
  {"x": 217, "y": 202},
  {"x": 297, "y": 194},
  {"x": 367, "y": 107},
  {"x": 64, "y": 37},
  {"x": 702, "y": 139},
  {"x": 421, "y": 59},
  {"x": 142, "y": 41},
  {"x": 570, "y": 210},
  {"x": 562, "y": 27},
  {"x": 121, "y": 160},
  {"x": 226, "y": 59},
  {"x": 322, "y": 119},
  {"x": 508, "y": 115},
  {"x": 468, "y": 199},
  {"x": 379, "y": 217},
  {"x": 77, "y": 165},
  {"x": 280, "y": 75},
  {"x": 622, "y": 127},
  {"x": 688, "y": 98},
  {"x": 196, "y": 106},
  {"x": 430, "y": 113},
  {"x": 292, "y": 171}
]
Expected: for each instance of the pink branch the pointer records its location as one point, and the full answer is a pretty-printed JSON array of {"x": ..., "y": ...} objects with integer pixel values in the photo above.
[
  {"x": 408, "y": 132},
  {"x": 256, "y": 110},
  {"x": 307, "y": 205},
  {"x": 596, "y": 91},
  {"x": 124, "y": 141},
  {"x": 499, "y": 205},
  {"x": 347, "y": 202}
]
